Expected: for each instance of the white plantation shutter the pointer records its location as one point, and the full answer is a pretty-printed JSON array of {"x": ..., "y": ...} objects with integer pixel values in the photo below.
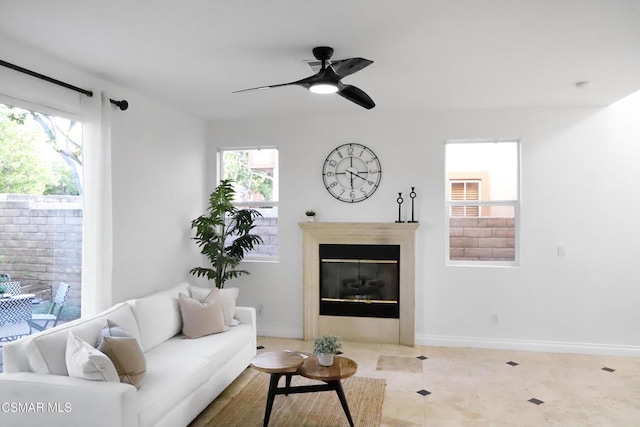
[{"x": 462, "y": 191}]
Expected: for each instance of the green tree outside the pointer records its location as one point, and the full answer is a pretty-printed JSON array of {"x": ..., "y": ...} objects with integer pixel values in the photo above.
[
  {"x": 29, "y": 163},
  {"x": 250, "y": 180}
]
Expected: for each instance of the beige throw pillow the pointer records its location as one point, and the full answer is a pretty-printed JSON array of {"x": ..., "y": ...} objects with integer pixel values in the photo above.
[
  {"x": 125, "y": 353},
  {"x": 201, "y": 318},
  {"x": 84, "y": 361},
  {"x": 229, "y": 297}
]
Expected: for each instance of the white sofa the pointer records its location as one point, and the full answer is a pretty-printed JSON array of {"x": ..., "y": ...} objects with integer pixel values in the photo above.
[{"x": 182, "y": 375}]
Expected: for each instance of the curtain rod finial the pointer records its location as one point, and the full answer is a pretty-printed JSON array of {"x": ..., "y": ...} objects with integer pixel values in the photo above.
[{"x": 123, "y": 105}]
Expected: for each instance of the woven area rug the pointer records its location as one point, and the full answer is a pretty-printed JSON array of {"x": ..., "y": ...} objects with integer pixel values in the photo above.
[{"x": 246, "y": 409}]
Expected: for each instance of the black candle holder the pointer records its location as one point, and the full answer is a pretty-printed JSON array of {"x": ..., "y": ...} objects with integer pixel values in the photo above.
[
  {"x": 399, "y": 200},
  {"x": 413, "y": 196}
]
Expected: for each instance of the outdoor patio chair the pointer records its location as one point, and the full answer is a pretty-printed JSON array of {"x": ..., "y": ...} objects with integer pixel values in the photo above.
[
  {"x": 15, "y": 312},
  {"x": 41, "y": 321},
  {"x": 13, "y": 288}
]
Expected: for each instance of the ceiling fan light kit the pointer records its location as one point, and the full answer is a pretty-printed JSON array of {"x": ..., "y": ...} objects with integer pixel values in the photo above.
[
  {"x": 323, "y": 88},
  {"x": 328, "y": 79}
]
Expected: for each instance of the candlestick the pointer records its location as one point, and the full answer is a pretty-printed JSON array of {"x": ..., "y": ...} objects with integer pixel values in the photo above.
[
  {"x": 399, "y": 200},
  {"x": 413, "y": 196}
]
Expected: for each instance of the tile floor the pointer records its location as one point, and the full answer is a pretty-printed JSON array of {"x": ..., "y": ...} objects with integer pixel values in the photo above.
[{"x": 442, "y": 386}]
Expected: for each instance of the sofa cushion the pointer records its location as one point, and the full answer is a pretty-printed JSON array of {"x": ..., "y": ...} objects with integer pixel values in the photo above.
[
  {"x": 46, "y": 350},
  {"x": 84, "y": 361},
  {"x": 158, "y": 316},
  {"x": 125, "y": 353},
  {"x": 170, "y": 380},
  {"x": 201, "y": 318},
  {"x": 217, "y": 348}
]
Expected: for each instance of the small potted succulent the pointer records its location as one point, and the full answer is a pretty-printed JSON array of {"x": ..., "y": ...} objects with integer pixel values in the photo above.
[
  {"x": 325, "y": 347},
  {"x": 311, "y": 214}
]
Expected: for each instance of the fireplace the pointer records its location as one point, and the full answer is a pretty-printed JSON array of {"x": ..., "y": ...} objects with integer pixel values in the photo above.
[
  {"x": 399, "y": 329},
  {"x": 360, "y": 280}
]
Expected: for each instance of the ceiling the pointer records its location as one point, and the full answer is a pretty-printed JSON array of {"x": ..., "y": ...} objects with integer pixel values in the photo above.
[{"x": 445, "y": 54}]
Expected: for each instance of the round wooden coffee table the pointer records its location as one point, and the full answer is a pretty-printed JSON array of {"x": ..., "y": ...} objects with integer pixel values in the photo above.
[
  {"x": 287, "y": 363},
  {"x": 278, "y": 362},
  {"x": 342, "y": 368}
]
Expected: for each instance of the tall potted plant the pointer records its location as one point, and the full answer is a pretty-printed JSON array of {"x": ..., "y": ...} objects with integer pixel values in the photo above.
[{"x": 224, "y": 235}]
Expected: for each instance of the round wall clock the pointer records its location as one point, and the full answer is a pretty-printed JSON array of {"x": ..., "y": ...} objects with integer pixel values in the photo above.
[{"x": 351, "y": 173}]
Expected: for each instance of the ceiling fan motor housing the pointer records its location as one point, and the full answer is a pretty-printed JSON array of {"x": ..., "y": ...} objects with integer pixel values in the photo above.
[{"x": 323, "y": 53}]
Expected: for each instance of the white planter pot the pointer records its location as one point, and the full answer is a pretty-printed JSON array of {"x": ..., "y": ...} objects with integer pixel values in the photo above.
[
  {"x": 325, "y": 359},
  {"x": 311, "y": 218}
]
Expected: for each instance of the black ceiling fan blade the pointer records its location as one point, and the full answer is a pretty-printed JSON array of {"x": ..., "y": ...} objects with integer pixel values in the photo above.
[
  {"x": 307, "y": 82},
  {"x": 264, "y": 87},
  {"x": 357, "y": 96},
  {"x": 346, "y": 67}
]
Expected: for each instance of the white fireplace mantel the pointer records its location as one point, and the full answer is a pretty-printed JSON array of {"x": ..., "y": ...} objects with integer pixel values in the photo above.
[{"x": 400, "y": 330}]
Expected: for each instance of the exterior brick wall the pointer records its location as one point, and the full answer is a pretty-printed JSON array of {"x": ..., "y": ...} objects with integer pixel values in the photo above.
[
  {"x": 267, "y": 228},
  {"x": 483, "y": 239},
  {"x": 41, "y": 241}
]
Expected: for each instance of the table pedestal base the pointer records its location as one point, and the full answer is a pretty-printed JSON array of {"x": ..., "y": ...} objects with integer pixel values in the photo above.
[{"x": 274, "y": 390}]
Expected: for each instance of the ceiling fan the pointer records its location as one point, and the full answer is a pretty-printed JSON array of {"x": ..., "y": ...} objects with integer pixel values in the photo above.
[{"x": 328, "y": 79}]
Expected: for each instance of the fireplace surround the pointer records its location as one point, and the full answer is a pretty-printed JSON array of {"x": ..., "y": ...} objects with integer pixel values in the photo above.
[{"x": 399, "y": 330}]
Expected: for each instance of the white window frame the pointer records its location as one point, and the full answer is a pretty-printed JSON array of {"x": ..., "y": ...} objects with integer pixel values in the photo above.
[
  {"x": 516, "y": 204},
  {"x": 253, "y": 204}
]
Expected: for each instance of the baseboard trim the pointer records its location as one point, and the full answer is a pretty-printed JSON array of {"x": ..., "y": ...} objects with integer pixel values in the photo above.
[
  {"x": 279, "y": 333},
  {"x": 523, "y": 345},
  {"x": 494, "y": 343}
]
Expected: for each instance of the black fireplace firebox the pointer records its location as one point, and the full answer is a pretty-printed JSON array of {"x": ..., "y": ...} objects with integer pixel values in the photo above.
[{"x": 360, "y": 280}]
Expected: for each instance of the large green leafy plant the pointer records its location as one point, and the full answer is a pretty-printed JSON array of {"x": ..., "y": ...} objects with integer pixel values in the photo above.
[{"x": 224, "y": 235}]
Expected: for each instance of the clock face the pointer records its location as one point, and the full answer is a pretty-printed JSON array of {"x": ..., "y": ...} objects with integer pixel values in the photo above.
[{"x": 351, "y": 173}]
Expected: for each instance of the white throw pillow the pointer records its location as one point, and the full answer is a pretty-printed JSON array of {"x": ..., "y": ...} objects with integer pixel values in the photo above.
[
  {"x": 198, "y": 293},
  {"x": 84, "y": 361},
  {"x": 229, "y": 297}
]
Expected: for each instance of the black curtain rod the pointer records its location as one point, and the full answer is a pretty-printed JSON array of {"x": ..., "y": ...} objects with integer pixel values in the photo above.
[{"x": 123, "y": 105}]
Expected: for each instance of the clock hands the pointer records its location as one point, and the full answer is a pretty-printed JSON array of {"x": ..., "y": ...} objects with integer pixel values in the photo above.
[
  {"x": 352, "y": 175},
  {"x": 356, "y": 174}
]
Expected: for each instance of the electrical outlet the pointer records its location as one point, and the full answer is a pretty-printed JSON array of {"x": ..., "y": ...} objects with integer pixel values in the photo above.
[
  {"x": 260, "y": 309},
  {"x": 494, "y": 319},
  {"x": 560, "y": 251}
]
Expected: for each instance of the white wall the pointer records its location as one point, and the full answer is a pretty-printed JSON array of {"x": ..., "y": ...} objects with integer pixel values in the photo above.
[
  {"x": 158, "y": 172},
  {"x": 158, "y": 188},
  {"x": 578, "y": 172}
]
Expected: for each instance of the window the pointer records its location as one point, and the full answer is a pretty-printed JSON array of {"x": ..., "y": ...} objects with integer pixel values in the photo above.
[
  {"x": 41, "y": 205},
  {"x": 482, "y": 201},
  {"x": 254, "y": 172}
]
